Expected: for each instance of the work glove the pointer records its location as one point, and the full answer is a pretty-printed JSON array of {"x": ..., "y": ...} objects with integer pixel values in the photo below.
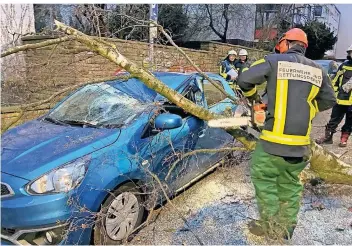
[{"x": 348, "y": 86}]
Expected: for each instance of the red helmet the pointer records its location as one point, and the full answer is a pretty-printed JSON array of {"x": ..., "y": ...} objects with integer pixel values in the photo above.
[{"x": 294, "y": 34}]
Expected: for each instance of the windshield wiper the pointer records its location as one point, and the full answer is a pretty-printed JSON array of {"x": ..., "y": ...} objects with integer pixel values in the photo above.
[
  {"x": 81, "y": 123},
  {"x": 55, "y": 121}
]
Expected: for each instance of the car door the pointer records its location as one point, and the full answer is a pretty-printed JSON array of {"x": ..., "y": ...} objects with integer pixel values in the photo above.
[
  {"x": 214, "y": 138},
  {"x": 164, "y": 151}
]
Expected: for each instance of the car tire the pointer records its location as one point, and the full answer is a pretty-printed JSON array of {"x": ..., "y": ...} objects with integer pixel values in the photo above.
[{"x": 126, "y": 202}]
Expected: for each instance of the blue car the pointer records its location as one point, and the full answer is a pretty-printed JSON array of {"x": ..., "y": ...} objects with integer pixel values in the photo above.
[
  {"x": 84, "y": 173},
  {"x": 329, "y": 66}
]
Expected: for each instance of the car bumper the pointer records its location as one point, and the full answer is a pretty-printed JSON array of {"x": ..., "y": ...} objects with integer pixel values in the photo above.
[
  {"x": 27, "y": 217},
  {"x": 34, "y": 236}
]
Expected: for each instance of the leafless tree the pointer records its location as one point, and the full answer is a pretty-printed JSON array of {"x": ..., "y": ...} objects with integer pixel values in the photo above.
[{"x": 220, "y": 21}]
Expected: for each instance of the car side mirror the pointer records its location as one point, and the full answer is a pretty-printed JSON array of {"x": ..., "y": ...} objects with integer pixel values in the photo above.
[{"x": 168, "y": 121}]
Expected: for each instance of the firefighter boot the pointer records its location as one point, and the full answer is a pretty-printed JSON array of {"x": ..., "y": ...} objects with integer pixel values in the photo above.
[
  {"x": 344, "y": 138},
  {"x": 327, "y": 139}
]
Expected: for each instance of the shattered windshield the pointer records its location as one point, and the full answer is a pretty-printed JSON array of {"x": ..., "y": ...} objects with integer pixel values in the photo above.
[{"x": 97, "y": 105}]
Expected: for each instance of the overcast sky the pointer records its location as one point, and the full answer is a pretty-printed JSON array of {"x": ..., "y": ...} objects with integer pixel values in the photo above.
[{"x": 345, "y": 30}]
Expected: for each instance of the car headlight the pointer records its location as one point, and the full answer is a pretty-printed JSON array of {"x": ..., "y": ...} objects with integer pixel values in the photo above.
[{"x": 62, "y": 179}]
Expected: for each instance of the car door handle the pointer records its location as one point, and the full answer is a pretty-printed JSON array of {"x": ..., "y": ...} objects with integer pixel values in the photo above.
[{"x": 202, "y": 133}]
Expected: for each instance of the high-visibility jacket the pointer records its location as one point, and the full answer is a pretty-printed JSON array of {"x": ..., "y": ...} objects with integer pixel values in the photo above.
[
  {"x": 227, "y": 65},
  {"x": 343, "y": 75},
  {"x": 241, "y": 65},
  {"x": 297, "y": 88}
]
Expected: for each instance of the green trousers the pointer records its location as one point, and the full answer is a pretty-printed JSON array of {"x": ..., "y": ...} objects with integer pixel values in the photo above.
[{"x": 277, "y": 189}]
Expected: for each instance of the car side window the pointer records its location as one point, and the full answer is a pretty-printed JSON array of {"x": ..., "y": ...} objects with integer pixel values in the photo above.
[
  {"x": 212, "y": 94},
  {"x": 168, "y": 107}
]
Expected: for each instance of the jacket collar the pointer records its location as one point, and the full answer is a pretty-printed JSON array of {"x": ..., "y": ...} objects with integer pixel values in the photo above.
[{"x": 297, "y": 49}]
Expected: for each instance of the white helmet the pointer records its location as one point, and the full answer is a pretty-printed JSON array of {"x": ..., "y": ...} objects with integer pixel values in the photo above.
[
  {"x": 232, "y": 52},
  {"x": 243, "y": 52},
  {"x": 349, "y": 49}
]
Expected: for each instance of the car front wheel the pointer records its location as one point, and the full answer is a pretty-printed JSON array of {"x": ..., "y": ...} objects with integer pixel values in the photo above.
[{"x": 120, "y": 214}]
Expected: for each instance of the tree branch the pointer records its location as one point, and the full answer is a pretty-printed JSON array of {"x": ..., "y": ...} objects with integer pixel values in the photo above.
[
  {"x": 211, "y": 24},
  {"x": 217, "y": 86},
  {"x": 225, "y": 14},
  {"x": 138, "y": 72},
  {"x": 36, "y": 45},
  {"x": 31, "y": 106}
]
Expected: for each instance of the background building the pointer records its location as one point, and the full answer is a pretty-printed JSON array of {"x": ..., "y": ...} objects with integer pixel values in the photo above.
[
  {"x": 274, "y": 19},
  {"x": 328, "y": 14},
  {"x": 344, "y": 33}
]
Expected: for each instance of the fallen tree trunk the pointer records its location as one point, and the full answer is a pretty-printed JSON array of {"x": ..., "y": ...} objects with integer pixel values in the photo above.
[{"x": 329, "y": 167}]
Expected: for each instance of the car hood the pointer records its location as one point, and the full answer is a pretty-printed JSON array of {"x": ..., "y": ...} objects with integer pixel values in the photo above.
[{"x": 32, "y": 149}]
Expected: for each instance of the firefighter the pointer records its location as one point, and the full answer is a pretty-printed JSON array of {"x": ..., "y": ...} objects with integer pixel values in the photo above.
[
  {"x": 242, "y": 62},
  {"x": 342, "y": 85},
  {"x": 226, "y": 65},
  {"x": 297, "y": 88}
]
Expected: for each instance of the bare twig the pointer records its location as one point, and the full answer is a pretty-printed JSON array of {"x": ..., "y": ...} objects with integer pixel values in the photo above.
[
  {"x": 36, "y": 46},
  {"x": 20, "y": 109},
  {"x": 217, "y": 86}
]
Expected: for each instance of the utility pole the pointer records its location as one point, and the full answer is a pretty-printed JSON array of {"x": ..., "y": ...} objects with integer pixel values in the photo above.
[{"x": 153, "y": 32}]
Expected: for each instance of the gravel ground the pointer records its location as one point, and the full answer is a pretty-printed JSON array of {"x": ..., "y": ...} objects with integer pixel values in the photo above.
[{"x": 219, "y": 207}]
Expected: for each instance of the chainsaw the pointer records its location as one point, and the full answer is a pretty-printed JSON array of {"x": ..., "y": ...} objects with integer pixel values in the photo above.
[{"x": 252, "y": 119}]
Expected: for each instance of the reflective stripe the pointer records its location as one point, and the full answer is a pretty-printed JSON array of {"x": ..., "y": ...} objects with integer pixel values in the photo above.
[
  {"x": 313, "y": 108},
  {"x": 280, "y": 106},
  {"x": 284, "y": 139},
  {"x": 347, "y": 68},
  {"x": 316, "y": 105},
  {"x": 337, "y": 76},
  {"x": 245, "y": 69},
  {"x": 224, "y": 75},
  {"x": 258, "y": 62},
  {"x": 339, "y": 101},
  {"x": 345, "y": 102},
  {"x": 250, "y": 92},
  {"x": 277, "y": 135}
]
